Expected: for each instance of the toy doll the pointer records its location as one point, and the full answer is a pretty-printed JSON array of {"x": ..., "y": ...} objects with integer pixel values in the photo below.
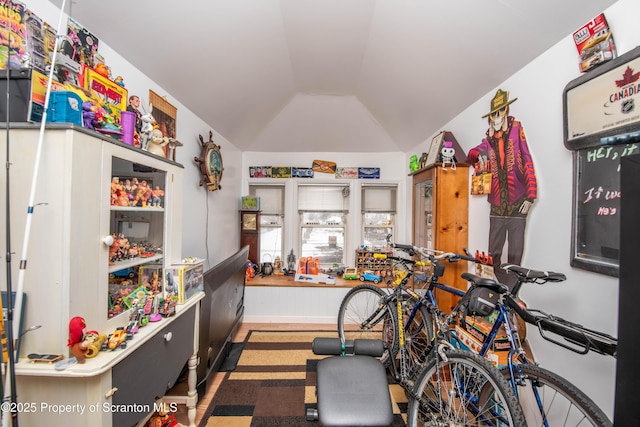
[
  {"x": 143, "y": 192},
  {"x": 156, "y": 196},
  {"x": 448, "y": 155},
  {"x": 77, "y": 343},
  {"x": 157, "y": 143}
]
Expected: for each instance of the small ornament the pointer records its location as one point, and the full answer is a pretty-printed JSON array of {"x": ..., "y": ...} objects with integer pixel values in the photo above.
[{"x": 448, "y": 155}]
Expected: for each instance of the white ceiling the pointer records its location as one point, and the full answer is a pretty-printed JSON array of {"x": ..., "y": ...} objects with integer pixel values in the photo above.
[{"x": 330, "y": 75}]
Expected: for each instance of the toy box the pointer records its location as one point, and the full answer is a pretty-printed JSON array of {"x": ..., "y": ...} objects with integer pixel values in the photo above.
[
  {"x": 64, "y": 107},
  {"x": 184, "y": 280},
  {"x": 110, "y": 94},
  {"x": 594, "y": 42},
  {"x": 150, "y": 277}
]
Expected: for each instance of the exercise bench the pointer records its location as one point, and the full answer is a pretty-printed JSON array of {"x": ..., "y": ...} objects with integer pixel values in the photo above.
[{"x": 352, "y": 388}]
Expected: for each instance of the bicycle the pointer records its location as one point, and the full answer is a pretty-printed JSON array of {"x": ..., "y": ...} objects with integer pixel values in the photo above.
[
  {"x": 445, "y": 386},
  {"x": 555, "y": 397},
  {"x": 564, "y": 401}
]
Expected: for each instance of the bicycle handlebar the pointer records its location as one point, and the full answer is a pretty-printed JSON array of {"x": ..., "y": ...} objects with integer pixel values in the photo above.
[{"x": 433, "y": 254}]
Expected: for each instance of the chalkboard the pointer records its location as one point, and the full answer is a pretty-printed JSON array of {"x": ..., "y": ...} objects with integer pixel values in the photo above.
[
  {"x": 601, "y": 126},
  {"x": 597, "y": 204}
]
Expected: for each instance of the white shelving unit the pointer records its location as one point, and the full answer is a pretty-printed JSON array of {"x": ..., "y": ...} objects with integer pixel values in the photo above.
[{"x": 68, "y": 274}]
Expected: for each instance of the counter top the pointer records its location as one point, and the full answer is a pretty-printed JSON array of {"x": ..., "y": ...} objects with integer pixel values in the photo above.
[{"x": 287, "y": 281}]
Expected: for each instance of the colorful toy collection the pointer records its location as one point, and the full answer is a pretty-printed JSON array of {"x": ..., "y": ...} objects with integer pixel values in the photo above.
[
  {"x": 135, "y": 193},
  {"x": 121, "y": 249},
  {"x": 79, "y": 70}
]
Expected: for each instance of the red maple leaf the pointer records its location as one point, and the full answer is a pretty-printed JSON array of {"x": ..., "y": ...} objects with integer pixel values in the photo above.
[{"x": 628, "y": 77}]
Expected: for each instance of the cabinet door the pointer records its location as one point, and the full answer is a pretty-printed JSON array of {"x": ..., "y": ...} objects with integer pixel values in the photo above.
[
  {"x": 423, "y": 213},
  {"x": 153, "y": 368},
  {"x": 440, "y": 222},
  {"x": 136, "y": 225}
]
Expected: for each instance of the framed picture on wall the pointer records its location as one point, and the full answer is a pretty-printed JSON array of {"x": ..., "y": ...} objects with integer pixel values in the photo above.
[{"x": 434, "y": 150}]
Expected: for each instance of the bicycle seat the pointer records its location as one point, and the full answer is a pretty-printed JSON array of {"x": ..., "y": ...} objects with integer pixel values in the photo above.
[
  {"x": 483, "y": 282},
  {"x": 528, "y": 274}
]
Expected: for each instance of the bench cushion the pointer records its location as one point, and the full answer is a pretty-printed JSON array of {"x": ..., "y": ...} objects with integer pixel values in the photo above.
[{"x": 353, "y": 391}]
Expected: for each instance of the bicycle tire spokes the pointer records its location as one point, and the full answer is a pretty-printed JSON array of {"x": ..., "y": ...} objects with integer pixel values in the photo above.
[{"x": 458, "y": 392}]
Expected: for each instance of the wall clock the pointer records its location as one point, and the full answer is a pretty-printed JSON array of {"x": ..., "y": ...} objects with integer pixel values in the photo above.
[{"x": 210, "y": 162}]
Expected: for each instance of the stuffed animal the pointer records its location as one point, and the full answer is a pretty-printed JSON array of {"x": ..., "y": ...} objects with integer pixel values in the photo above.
[{"x": 77, "y": 342}]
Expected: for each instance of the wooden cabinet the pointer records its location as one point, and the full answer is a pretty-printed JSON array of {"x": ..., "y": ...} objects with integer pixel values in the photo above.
[
  {"x": 440, "y": 219},
  {"x": 250, "y": 233},
  {"x": 70, "y": 270}
]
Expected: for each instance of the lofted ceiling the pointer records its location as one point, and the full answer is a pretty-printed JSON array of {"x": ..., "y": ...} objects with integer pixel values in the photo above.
[{"x": 330, "y": 75}]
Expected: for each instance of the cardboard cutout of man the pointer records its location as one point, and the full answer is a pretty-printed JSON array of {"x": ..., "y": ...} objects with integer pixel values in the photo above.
[{"x": 514, "y": 186}]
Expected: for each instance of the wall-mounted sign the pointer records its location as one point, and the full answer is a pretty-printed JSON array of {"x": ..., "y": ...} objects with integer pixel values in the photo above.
[
  {"x": 602, "y": 125},
  {"x": 604, "y": 102}
]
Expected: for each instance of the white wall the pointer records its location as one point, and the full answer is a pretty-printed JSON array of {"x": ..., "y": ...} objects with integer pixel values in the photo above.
[
  {"x": 393, "y": 170},
  {"x": 587, "y": 298},
  {"x": 209, "y": 218}
]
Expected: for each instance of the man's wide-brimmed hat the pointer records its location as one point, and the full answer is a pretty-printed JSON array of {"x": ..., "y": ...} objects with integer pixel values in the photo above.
[{"x": 499, "y": 101}]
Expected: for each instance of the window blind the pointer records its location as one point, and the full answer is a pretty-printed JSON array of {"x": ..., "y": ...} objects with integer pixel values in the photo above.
[
  {"x": 323, "y": 198},
  {"x": 379, "y": 198},
  {"x": 271, "y": 198}
]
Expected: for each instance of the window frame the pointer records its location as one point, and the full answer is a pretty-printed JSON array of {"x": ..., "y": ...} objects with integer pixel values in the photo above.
[{"x": 389, "y": 207}]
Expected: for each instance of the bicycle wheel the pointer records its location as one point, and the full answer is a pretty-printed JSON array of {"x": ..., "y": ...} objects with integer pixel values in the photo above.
[
  {"x": 418, "y": 333},
  {"x": 364, "y": 314},
  {"x": 563, "y": 404},
  {"x": 463, "y": 389}
]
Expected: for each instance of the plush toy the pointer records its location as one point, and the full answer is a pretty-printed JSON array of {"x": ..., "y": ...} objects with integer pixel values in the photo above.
[{"x": 77, "y": 342}]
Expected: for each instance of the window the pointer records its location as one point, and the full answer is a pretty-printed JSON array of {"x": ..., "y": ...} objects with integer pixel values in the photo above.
[
  {"x": 271, "y": 220},
  {"x": 323, "y": 210},
  {"x": 378, "y": 214}
]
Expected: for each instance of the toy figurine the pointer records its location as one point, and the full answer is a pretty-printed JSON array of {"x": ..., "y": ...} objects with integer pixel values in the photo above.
[
  {"x": 129, "y": 188},
  {"x": 156, "y": 197},
  {"x": 250, "y": 270},
  {"x": 163, "y": 419},
  {"x": 143, "y": 192},
  {"x": 147, "y": 127},
  {"x": 95, "y": 341},
  {"x": 157, "y": 142},
  {"x": 448, "y": 153},
  {"x": 291, "y": 264},
  {"x": 77, "y": 343},
  {"x": 413, "y": 163},
  {"x": 134, "y": 104},
  {"x": 422, "y": 163},
  {"x": 116, "y": 189}
]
